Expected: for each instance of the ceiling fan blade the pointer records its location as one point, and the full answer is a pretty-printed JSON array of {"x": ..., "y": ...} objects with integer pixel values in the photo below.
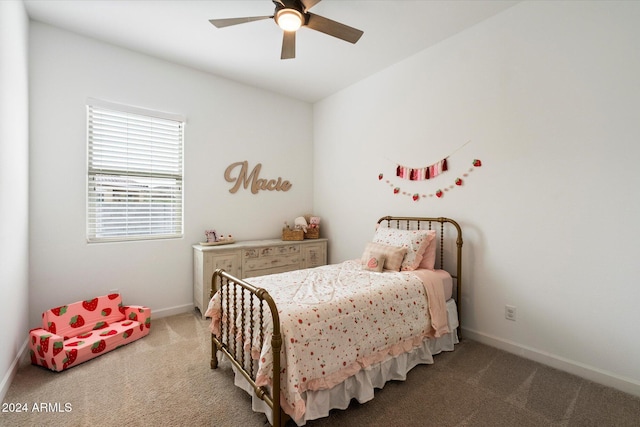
[
  {"x": 308, "y": 4},
  {"x": 333, "y": 28},
  {"x": 226, "y": 22},
  {"x": 288, "y": 45}
]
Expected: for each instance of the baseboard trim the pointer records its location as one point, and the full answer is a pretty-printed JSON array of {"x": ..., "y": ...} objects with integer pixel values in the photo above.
[
  {"x": 171, "y": 311},
  {"x": 13, "y": 370},
  {"x": 600, "y": 376}
]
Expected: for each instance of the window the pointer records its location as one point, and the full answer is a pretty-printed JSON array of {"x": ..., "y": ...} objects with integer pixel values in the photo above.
[{"x": 134, "y": 179}]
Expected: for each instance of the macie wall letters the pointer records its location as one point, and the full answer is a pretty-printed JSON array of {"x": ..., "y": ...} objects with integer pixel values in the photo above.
[{"x": 257, "y": 183}]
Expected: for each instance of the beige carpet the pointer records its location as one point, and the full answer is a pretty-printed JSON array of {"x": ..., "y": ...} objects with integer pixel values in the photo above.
[{"x": 165, "y": 380}]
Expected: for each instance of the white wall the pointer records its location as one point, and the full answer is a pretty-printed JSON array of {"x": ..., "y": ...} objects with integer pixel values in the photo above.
[
  {"x": 14, "y": 187},
  {"x": 548, "y": 95},
  {"x": 226, "y": 122}
]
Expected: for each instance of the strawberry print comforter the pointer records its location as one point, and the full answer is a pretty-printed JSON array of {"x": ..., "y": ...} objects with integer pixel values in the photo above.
[{"x": 339, "y": 319}]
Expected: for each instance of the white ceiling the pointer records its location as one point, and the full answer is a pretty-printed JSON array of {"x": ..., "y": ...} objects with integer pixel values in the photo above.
[{"x": 179, "y": 31}]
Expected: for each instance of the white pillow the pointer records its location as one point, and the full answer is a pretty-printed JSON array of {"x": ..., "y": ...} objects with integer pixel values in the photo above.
[{"x": 416, "y": 242}]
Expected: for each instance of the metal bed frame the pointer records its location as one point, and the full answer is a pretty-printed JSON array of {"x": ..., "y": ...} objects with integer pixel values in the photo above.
[{"x": 251, "y": 305}]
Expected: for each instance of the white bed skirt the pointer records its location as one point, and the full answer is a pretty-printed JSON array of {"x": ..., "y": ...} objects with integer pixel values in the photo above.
[{"x": 361, "y": 386}]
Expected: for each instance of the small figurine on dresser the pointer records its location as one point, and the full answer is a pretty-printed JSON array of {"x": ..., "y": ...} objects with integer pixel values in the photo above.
[
  {"x": 300, "y": 223},
  {"x": 211, "y": 236},
  {"x": 314, "y": 222},
  {"x": 215, "y": 238}
]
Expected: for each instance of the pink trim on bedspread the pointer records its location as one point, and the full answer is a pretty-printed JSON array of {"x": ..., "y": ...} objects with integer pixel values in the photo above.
[
  {"x": 437, "y": 303},
  {"x": 327, "y": 315}
]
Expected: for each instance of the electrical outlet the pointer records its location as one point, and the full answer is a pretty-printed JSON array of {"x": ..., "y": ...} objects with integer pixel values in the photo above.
[{"x": 510, "y": 312}]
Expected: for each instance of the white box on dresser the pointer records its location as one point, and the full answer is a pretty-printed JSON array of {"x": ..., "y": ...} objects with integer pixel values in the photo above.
[{"x": 252, "y": 258}]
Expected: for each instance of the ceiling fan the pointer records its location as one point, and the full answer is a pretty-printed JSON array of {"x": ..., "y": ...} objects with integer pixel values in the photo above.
[{"x": 290, "y": 15}]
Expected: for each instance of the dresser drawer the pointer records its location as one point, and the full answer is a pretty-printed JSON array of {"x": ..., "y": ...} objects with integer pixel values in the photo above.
[
  {"x": 268, "y": 251},
  {"x": 265, "y": 262}
]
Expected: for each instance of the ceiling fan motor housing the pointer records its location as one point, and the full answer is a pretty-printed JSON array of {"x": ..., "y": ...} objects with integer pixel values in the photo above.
[
  {"x": 288, "y": 13},
  {"x": 289, "y": 19}
]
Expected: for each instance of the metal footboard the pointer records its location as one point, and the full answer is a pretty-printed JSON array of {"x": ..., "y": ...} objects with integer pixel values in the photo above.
[{"x": 244, "y": 309}]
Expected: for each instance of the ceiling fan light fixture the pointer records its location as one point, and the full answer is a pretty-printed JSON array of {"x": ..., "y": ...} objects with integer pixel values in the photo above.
[{"x": 289, "y": 19}]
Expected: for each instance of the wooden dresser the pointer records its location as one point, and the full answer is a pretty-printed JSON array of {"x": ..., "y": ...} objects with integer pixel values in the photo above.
[{"x": 252, "y": 258}]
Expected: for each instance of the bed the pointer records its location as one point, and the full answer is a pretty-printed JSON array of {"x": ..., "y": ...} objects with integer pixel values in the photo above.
[{"x": 330, "y": 334}]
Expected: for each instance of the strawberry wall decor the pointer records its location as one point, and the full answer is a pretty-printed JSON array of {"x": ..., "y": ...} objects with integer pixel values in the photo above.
[
  {"x": 438, "y": 193},
  {"x": 424, "y": 172}
]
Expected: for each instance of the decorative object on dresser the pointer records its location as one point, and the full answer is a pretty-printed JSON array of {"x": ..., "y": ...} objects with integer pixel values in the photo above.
[
  {"x": 250, "y": 259},
  {"x": 305, "y": 227},
  {"x": 289, "y": 234},
  {"x": 214, "y": 238},
  {"x": 313, "y": 231},
  {"x": 305, "y": 342}
]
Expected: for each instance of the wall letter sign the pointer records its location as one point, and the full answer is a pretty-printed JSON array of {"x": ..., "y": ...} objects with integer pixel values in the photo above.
[{"x": 257, "y": 184}]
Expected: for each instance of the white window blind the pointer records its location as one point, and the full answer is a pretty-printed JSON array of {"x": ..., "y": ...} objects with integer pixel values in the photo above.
[{"x": 134, "y": 180}]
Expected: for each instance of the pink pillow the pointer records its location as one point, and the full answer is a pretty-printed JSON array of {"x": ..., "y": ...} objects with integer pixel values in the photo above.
[
  {"x": 429, "y": 259},
  {"x": 416, "y": 242}
]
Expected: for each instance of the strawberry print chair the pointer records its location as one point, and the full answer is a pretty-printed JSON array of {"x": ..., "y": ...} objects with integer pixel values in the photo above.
[{"x": 74, "y": 333}]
